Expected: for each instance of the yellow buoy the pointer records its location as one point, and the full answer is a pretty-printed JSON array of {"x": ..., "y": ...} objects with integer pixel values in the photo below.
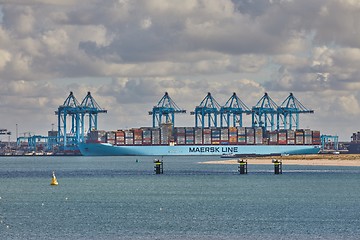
[{"x": 54, "y": 182}]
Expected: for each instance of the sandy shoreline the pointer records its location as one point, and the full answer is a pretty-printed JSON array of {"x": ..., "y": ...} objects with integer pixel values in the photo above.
[{"x": 315, "y": 160}]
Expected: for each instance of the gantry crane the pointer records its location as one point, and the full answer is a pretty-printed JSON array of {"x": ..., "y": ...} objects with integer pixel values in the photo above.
[
  {"x": 70, "y": 108},
  {"x": 164, "y": 111},
  {"x": 208, "y": 109},
  {"x": 288, "y": 113},
  {"x": 233, "y": 109},
  {"x": 263, "y": 113},
  {"x": 77, "y": 112},
  {"x": 91, "y": 108}
]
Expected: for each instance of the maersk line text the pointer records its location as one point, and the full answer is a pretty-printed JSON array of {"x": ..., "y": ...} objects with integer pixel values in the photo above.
[{"x": 214, "y": 149}]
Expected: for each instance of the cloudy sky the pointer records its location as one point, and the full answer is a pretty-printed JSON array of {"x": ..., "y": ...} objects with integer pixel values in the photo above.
[{"x": 127, "y": 53}]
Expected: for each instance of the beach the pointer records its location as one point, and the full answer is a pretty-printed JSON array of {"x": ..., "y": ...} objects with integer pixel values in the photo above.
[{"x": 352, "y": 160}]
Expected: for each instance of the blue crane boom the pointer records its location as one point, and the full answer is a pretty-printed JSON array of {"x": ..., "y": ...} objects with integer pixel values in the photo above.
[
  {"x": 263, "y": 113},
  {"x": 77, "y": 113},
  {"x": 90, "y": 107},
  {"x": 288, "y": 112},
  {"x": 233, "y": 109},
  {"x": 208, "y": 109},
  {"x": 70, "y": 108},
  {"x": 164, "y": 111}
]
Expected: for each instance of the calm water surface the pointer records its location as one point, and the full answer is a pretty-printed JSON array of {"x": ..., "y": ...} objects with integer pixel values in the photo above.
[{"x": 119, "y": 198}]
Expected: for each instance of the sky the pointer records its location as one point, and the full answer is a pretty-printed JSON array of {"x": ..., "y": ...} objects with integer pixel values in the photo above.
[{"x": 128, "y": 53}]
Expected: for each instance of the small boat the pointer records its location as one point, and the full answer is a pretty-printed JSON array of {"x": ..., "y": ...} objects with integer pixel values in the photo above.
[
  {"x": 30, "y": 153},
  {"x": 228, "y": 155},
  {"x": 54, "y": 181}
]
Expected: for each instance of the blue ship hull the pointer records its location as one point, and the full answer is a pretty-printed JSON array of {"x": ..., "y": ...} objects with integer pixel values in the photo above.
[{"x": 105, "y": 149}]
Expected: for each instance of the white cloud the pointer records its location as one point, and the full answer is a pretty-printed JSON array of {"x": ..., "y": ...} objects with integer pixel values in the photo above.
[
  {"x": 146, "y": 23},
  {"x": 5, "y": 57},
  {"x": 187, "y": 49},
  {"x": 19, "y": 19},
  {"x": 322, "y": 57},
  {"x": 349, "y": 105},
  {"x": 55, "y": 41}
]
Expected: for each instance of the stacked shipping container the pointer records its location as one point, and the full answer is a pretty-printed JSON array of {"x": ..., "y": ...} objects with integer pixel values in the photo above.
[
  {"x": 180, "y": 136},
  {"x": 241, "y": 135},
  {"x": 273, "y": 138},
  {"x": 206, "y": 136},
  {"x": 258, "y": 135},
  {"x": 224, "y": 136},
  {"x": 250, "y": 135},
  {"x": 97, "y": 136},
  {"x": 316, "y": 137},
  {"x": 232, "y": 135},
  {"x": 189, "y": 135},
  {"x": 155, "y": 133},
  {"x": 129, "y": 137},
  {"x": 138, "y": 136},
  {"x": 215, "y": 136},
  {"x": 299, "y": 137},
  {"x": 120, "y": 137},
  {"x": 198, "y": 136},
  {"x": 290, "y": 134},
  {"x": 282, "y": 137},
  {"x": 307, "y": 137},
  {"x": 165, "y": 134},
  {"x": 146, "y": 136},
  {"x": 111, "y": 137}
]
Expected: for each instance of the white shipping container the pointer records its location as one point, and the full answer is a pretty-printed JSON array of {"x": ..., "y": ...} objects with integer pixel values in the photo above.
[
  {"x": 299, "y": 140},
  {"x": 129, "y": 141},
  {"x": 307, "y": 132},
  {"x": 198, "y": 140},
  {"x": 110, "y": 135},
  {"x": 259, "y": 133},
  {"x": 224, "y": 137},
  {"x": 291, "y": 141},
  {"x": 155, "y": 134},
  {"x": 290, "y": 134},
  {"x": 180, "y": 140},
  {"x": 259, "y": 140},
  {"x": 250, "y": 132},
  {"x": 207, "y": 139},
  {"x": 307, "y": 140},
  {"x": 129, "y": 133},
  {"x": 155, "y": 141},
  {"x": 250, "y": 139},
  {"x": 241, "y": 131}
]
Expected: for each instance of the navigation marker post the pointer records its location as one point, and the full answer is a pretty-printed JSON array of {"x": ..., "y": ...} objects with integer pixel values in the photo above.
[
  {"x": 159, "y": 167},
  {"x": 243, "y": 166},
  {"x": 277, "y": 166}
]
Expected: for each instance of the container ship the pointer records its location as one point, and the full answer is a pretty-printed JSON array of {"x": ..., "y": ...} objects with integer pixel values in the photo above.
[
  {"x": 353, "y": 147},
  {"x": 185, "y": 141}
]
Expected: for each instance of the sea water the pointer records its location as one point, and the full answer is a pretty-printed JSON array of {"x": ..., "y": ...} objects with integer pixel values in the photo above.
[{"x": 122, "y": 198}]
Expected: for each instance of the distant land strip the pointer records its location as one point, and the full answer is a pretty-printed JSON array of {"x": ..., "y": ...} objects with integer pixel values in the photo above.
[{"x": 315, "y": 160}]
